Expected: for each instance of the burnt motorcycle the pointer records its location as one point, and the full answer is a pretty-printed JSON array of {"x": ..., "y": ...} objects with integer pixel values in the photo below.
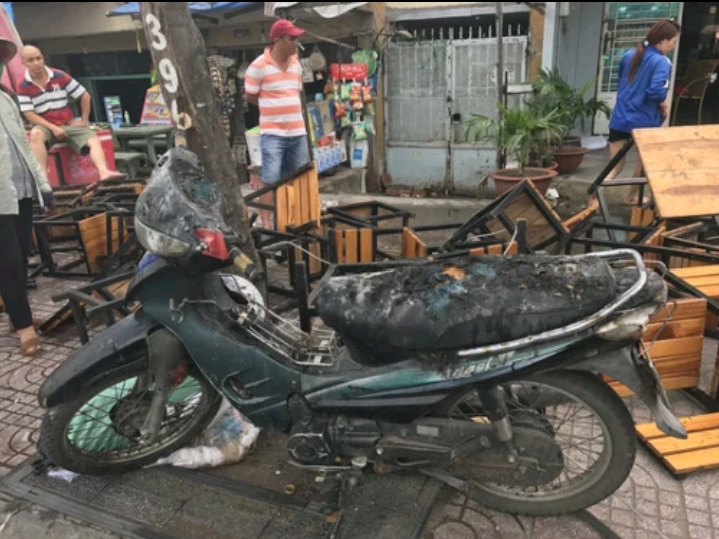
[{"x": 483, "y": 372}]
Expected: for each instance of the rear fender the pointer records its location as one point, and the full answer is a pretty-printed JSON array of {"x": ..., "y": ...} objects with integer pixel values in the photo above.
[
  {"x": 115, "y": 349},
  {"x": 639, "y": 375}
]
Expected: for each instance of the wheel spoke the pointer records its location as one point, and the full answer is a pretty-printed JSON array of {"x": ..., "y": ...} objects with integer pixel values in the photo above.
[
  {"x": 100, "y": 427},
  {"x": 579, "y": 433}
]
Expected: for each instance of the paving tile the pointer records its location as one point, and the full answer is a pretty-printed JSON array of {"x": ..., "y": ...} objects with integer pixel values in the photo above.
[
  {"x": 699, "y": 503},
  {"x": 456, "y": 530},
  {"x": 700, "y": 532},
  {"x": 676, "y": 528},
  {"x": 700, "y": 518}
]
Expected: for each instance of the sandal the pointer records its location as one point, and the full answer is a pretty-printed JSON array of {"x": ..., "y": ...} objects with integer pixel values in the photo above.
[{"x": 30, "y": 347}]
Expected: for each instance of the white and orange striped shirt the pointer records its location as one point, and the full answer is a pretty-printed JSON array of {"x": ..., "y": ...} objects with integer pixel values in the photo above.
[{"x": 279, "y": 95}]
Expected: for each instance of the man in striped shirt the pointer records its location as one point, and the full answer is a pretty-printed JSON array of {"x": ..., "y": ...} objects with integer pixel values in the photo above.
[
  {"x": 43, "y": 97},
  {"x": 274, "y": 82}
]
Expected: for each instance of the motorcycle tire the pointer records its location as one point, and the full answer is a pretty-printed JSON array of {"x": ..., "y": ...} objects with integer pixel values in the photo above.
[
  {"x": 618, "y": 455},
  {"x": 59, "y": 450}
]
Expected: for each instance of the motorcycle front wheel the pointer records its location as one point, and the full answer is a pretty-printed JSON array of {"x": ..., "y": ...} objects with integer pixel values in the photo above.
[
  {"x": 98, "y": 432},
  {"x": 590, "y": 425}
]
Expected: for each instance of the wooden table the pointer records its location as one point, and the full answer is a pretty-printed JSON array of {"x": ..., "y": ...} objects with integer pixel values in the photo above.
[
  {"x": 682, "y": 168},
  {"x": 146, "y": 132}
]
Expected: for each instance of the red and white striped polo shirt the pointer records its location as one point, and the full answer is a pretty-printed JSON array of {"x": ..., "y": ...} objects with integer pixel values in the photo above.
[
  {"x": 279, "y": 95},
  {"x": 50, "y": 102}
]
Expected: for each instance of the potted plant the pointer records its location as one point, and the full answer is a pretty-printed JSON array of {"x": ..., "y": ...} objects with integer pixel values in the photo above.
[
  {"x": 525, "y": 136},
  {"x": 552, "y": 92}
]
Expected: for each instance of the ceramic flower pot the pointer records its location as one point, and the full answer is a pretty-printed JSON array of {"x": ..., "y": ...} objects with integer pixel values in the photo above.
[
  {"x": 506, "y": 178},
  {"x": 569, "y": 158}
]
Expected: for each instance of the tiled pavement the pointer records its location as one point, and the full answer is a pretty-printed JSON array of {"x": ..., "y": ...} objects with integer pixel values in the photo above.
[
  {"x": 20, "y": 377},
  {"x": 651, "y": 504}
]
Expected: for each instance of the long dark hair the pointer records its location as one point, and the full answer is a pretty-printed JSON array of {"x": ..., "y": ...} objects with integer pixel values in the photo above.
[
  {"x": 662, "y": 29},
  {"x": 11, "y": 93}
]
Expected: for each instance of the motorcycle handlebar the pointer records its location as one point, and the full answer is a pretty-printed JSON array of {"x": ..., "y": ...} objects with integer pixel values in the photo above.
[{"x": 248, "y": 268}]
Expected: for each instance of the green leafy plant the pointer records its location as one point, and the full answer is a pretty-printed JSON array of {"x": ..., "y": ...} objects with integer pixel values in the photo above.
[
  {"x": 553, "y": 93},
  {"x": 521, "y": 132}
]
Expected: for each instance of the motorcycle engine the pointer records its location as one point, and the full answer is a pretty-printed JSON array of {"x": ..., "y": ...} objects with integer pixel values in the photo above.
[
  {"x": 310, "y": 445},
  {"x": 320, "y": 441}
]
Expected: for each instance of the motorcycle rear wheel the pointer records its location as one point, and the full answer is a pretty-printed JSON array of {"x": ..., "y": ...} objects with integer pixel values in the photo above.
[
  {"x": 600, "y": 480},
  {"x": 114, "y": 425}
]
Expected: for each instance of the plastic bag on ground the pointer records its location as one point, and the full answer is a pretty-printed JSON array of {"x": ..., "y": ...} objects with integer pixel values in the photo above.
[{"x": 226, "y": 440}]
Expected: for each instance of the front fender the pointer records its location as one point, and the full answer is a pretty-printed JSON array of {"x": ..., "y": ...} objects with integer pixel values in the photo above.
[
  {"x": 114, "y": 349},
  {"x": 639, "y": 375}
]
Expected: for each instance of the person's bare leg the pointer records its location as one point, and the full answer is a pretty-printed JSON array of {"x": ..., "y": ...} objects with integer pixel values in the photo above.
[
  {"x": 268, "y": 199},
  {"x": 614, "y": 148},
  {"x": 632, "y": 197},
  {"x": 29, "y": 341},
  {"x": 97, "y": 156},
  {"x": 37, "y": 144}
]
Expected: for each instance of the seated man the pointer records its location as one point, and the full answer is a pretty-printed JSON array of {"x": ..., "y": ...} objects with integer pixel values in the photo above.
[{"x": 43, "y": 97}]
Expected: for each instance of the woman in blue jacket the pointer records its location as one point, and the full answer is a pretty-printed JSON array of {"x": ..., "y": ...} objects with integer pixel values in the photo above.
[{"x": 644, "y": 78}]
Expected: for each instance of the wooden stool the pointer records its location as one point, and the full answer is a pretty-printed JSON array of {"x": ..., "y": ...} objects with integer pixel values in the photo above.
[
  {"x": 706, "y": 280},
  {"x": 677, "y": 350},
  {"x": 700, "y": 451}
]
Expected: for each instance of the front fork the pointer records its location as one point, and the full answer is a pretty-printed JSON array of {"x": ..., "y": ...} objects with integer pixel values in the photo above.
[
  {"x": 166, "y": 353},
  {"x": 494, "y": 403}
]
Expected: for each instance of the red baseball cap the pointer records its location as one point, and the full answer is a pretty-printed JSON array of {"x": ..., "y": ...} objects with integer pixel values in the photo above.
[
  {"x": 283, "y": 27},
  {"x": 8, "y": 49}
]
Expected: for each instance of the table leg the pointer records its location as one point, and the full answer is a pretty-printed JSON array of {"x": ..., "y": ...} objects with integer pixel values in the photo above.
[
  {"x": 151, "y": 153},
  {"x": 124, "y": 143}
]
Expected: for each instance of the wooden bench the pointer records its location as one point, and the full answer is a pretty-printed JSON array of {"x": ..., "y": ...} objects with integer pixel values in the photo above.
[
  {"x": 705, "y": 278},
  {"x": 91, "y": 232},
  {"x": 700, "y": 451},
  {"x": 675, "y": 348},
  {"x": 358, "y": 245},
  {"x": 677, "y": 355},
  {"x": 351, "y": 245},
  {"x": 544, "y": 228},
  {"x": 105, "y": 297}
]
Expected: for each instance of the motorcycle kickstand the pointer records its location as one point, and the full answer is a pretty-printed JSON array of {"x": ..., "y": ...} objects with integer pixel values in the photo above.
[{"x": 349, "y": 481}]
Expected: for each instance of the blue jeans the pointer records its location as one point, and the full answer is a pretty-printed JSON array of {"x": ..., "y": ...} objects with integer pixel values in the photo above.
[{"x": 281, "y": 156}]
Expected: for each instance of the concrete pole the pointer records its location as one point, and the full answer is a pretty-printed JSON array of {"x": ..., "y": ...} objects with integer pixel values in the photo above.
[
  {"x": 500, "y": 70},
  {"x": 551, "y": 27}
]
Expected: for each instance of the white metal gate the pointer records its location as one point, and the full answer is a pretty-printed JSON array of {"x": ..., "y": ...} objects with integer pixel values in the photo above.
[{"x": 433, "y": 85}]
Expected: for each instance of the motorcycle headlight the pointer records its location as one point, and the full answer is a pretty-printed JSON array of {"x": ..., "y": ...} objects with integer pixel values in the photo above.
[{"x": 158, "y": 243}]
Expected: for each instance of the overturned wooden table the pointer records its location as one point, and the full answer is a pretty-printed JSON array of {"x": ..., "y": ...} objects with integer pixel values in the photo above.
[
  {"x": 681, "y": 165},
  {"x": 682, "y": 168}
]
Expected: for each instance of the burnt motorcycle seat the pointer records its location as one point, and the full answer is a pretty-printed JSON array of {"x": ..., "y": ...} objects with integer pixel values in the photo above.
[{"x": 459, "y": 303}]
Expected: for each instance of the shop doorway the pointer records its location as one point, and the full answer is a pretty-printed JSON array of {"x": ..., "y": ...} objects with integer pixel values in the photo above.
[
  {"x": 696, "y": 89},
  {"x": 131, "y": 92},
  {"x": 625, "y": 24}
]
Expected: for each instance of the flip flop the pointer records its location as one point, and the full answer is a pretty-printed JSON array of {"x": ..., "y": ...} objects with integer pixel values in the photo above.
[{"x": 116, "y": 176}]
